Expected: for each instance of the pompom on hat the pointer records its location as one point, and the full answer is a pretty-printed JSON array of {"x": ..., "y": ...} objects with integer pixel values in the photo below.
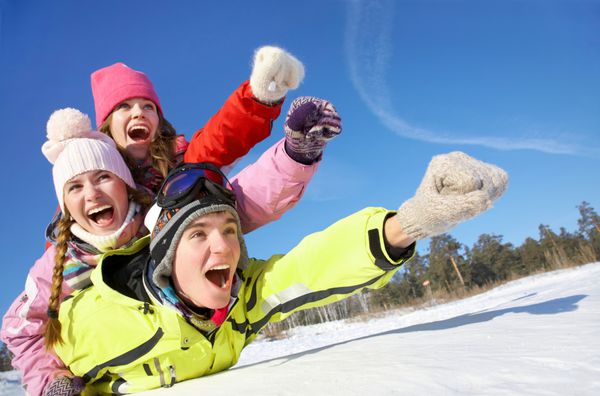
[
  {"x": 73, "y": 147},
  {"x": 116, "y": 83}
]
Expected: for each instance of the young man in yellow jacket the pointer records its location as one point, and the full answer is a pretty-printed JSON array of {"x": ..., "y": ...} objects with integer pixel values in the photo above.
[{"x": 185, "y": 304}]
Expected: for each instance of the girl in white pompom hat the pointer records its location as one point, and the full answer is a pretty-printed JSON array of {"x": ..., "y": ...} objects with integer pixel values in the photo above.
[{"x": 101, "y": 210}]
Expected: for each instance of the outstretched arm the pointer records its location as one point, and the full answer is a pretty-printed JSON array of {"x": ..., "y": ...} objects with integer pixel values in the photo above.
[
  {"x": 366, "y": 248},
  {"x": 247, "y": 116}
]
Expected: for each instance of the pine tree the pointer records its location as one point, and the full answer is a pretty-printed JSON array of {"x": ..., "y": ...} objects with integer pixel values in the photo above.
[
  {"x": 443, "y": 250},
  {"x": 491, "y": 260},
  {"x": 414, "y": 275},
  {"x": 531, "y": 257},
  {"x": 589, "y": 227},
  {"x": 589, "y": 222},
  {"x": 5, "y": 358}
]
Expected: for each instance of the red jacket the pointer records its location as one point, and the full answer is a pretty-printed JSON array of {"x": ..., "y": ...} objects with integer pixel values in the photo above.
[{"x": 238, "y": 126}]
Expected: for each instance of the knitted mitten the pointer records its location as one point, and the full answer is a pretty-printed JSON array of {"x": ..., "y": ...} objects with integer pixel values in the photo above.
[
  {"x": 65, "y": 386},
  {"x": 309, "y": 125},
  {"x": 274, "y": 72},
  {"x": 455, "y": 188}
]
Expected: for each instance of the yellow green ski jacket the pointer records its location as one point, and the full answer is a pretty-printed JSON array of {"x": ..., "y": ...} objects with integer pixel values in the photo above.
[{"x": 120, "y": 344}]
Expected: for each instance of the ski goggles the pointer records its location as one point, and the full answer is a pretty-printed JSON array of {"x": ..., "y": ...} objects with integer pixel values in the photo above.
[{"x": 186, "y": 183}]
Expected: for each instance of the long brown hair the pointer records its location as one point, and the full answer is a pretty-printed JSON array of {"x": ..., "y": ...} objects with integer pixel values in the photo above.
[
  {"x": 162, "y": 148},
  {"x": 53, "y": 327}
]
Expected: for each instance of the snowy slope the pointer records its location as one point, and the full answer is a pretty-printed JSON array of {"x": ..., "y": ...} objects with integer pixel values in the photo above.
[
  {"x": 534, "y": 336},
  {"x": 10, "y": 383}
]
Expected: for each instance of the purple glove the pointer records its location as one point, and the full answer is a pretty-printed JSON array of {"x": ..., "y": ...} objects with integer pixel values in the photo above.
[
  {"x": 309, "y": 125},
  {"x": 65, "y": 386}
]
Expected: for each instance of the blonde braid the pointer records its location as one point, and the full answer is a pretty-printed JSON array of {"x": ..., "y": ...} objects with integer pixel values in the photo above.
[{"x": 53, "y": 327}]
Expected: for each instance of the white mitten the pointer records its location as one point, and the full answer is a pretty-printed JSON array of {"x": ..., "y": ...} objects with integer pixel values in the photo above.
[
  {"x": 274, "y": 72},
  {"x": 456, "y": 187}
]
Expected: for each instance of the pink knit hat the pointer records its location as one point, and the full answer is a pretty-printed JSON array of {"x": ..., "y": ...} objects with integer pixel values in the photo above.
[
  {"x": 74, "y": 148},
  {"x": 116, "y": 83}
]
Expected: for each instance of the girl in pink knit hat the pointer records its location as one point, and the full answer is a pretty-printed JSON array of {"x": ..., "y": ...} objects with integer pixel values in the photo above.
[{"x": 128, "y": 109}]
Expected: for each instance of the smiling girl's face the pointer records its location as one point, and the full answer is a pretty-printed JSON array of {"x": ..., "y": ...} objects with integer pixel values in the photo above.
[
  {"x": 133, "y": 126},
  {"x": 97, "y": 201}
]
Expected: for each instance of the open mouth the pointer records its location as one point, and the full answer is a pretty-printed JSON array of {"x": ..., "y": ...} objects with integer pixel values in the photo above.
[
  {"x": 102, "y": 215},
  {"x": 219, "y": 276},
  {"x": 138, "y": 133}
]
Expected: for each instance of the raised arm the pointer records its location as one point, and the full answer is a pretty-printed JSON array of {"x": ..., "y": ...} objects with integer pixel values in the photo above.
[
  {"x": 247, "y": 116},
  {"x": 274, "y": 184},
  {"x": 366, "y": 248}
]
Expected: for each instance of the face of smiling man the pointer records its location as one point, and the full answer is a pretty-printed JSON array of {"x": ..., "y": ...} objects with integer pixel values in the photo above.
[
  {"x": 206, "y": 259},
  {"x": 97, "y": 201},
  {"x": 133, "y": 125}
]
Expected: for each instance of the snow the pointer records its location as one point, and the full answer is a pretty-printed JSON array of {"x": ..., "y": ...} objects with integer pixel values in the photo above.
[
  {"x": 10, "y": 383},
  {"x": 537, "y": 336}
]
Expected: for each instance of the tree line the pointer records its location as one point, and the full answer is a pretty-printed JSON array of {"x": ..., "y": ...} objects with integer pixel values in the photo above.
[{"x": 452, "y": 269}]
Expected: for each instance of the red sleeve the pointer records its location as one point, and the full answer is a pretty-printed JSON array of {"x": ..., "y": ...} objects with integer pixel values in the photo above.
[{"x": 240, "y": 124}]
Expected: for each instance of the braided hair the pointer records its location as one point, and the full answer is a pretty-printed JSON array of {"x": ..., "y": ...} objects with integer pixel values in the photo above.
[{"x": 53, "y": 327}]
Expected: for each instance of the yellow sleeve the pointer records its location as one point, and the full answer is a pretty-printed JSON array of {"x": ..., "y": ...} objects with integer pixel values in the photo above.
[{"x": 325, "y": 267}]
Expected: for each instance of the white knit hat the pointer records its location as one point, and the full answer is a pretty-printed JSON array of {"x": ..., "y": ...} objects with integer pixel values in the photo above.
[{"x": 74, "y": 148}]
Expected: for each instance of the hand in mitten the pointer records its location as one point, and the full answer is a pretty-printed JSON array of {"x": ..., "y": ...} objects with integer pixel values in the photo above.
[
  {"x": 274, "y": 72},
  {"x": 309, "y": 125},
  {"x": 65, "y": 386},
  {"x": 455, "y": 188}
]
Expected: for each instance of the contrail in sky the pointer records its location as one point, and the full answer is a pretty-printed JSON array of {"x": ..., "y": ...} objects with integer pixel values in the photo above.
[{"x": 369, "y": 50}]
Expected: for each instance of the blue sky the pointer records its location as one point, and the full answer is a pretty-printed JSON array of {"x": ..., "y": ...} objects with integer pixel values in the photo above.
[{"x": 514, "y": 83}]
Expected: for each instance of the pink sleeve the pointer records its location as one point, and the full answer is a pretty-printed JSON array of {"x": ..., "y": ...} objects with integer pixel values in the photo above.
[
  {"x": 23, "y": 326},
  {"x": 269, "y": 187}
]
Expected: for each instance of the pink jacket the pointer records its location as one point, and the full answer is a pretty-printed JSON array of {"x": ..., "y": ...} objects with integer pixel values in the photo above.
[{"x": 265, "y": 190}]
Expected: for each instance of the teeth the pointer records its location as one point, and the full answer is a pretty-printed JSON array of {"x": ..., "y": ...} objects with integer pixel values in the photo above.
[
  {"x": 220, "y": 267},
  {"x": 98, "y": 209},
  {"x": 142, "y": 127}
]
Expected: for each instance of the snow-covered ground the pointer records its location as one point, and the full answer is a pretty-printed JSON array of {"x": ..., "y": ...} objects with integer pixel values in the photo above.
[
  {"x": 535, "y": 336},
  {"x": 10, "y": 383}
]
